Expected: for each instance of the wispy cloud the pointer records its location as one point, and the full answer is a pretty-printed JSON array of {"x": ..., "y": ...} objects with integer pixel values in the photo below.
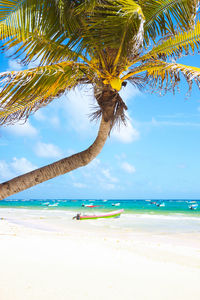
[
  {"x": 14, "y": 168},
  {"x": 155, "y": 122},
  {"x": 129, "y": 92},
  {"x": 78, "y": 107},
  {"x": 128, "y": 167},
  {"x": 47, "y": 150},
  {"x": 79, "y": 185},
  {"x": 181, "y": 166},
  {"x": 100, "y": 176},
  {"x": 126, "y": 134},
  {"x": 80, "y": 104},
  {"x": 42, "y": 117},
  {"x": 22, "y": 165},
  {"x": 14, "y": 65},
  {"x": 19, "y": 129},
  {"x": 5, "y": 171},
  {"x": 107, "y": 175}
]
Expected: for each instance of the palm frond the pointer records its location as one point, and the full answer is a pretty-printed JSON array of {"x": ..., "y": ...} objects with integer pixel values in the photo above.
[
  {"x": 37, "y": 46},
  {"x": 182, "y": 43},
  {"x": 7, "y": 7},
  {"x": 166, "y": 16},
  {"x": 165, "y": 76},
  {"x": 109, "y": 20},
  {"x": 27, "y": 15},
  {"x": 26, "y": 91}
]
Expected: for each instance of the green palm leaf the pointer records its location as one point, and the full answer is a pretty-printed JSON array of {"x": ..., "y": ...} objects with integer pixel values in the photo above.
[
  {"x": 182, "y": 43},
  {"x": 166, "y": 16},
  {"x": 37, "y": 46},
  {"x": 83, "y": 26},
  {"x": 166, "y": 76},
  {"x": 7, "y": 7},
  {"x": 26, "y": 91}
]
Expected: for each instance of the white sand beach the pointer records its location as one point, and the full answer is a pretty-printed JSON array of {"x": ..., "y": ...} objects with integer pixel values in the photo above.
[{"x": 46, "y": 257}]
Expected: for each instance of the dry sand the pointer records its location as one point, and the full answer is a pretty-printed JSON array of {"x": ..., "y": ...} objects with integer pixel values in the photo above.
[{"x": 83, "y": 262}]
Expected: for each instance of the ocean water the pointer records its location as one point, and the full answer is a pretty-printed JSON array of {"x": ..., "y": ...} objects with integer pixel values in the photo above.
[
  {"x": 148, "y": 207},
  {"x": 145, "y": 216}
]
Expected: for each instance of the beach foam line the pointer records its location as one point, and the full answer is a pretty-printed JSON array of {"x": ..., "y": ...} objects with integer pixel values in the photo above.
[
  {"x": 174, "y": 216},
  {"x": 30, "y": 225}
]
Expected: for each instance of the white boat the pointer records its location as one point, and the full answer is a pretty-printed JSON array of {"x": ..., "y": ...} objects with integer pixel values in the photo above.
[
  {"x": 160, "y": 204},
  {"x": 115, "y": 204},
  {"x": 45, "y": 203},
  {"x": 55, "y": 204},
  {"x": 193, "y": 206},
  {"x": 87, "y": 205}
]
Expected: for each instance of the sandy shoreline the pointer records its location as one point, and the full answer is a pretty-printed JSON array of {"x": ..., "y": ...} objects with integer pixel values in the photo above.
[{"x": 56, "y": 260}]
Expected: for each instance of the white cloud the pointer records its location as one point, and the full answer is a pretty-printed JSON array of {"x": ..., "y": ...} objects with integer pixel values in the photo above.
[
  {"x": 106, "y": 173},
  {"x": 108, "y": 186},
  {"x": 79, "y": 106},
  {"x": 25, "y": 129},
  {"x": 125, "y": 134},
  {"x": 47, "y": 150},
  {"x": 99, "y": 176},
  {"x": 55, "y": 121},
  {"x": 39, "y": 116},
  {"x": 14, "y": 65},
  {"x": 181, "y": 166},
  {"x": 79, "y": 185},
  {"x": 154, "y": 122},
  {"x": 22, "y": 165},
  {"x": 129, "y": 92},
  {"x": 78, "y": 109},
  {"x": 5, "y": 171},
  {"x": 128, "y": 167},
  {"x": 14, "y": 168}
]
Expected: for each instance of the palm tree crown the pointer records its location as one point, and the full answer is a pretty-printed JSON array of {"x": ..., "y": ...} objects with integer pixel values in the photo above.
[{"x": 98, "y": 42}]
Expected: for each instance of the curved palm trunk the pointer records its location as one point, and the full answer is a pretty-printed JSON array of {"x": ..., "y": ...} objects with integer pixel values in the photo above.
[{"x": 57, "y": 168}]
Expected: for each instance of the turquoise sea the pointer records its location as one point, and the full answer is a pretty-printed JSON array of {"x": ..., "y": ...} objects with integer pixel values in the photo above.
[
  {"x": 153, "y": 216},
  {"x": 158, "y": 207}
]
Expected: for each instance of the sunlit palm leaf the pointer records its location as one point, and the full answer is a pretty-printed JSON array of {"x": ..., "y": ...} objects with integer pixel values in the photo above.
[
  {"x": 37, "y": 46},
  {"x": 182, "y": 43},
  {"x": 26, "y": 91},
  {"x": 165, "y": 16},
  {"x": 7, "y": 7},
  {"x": 28, "y": 15},
  {"x": 100, "y": 24},
  {"x": 166, "y": 76},
  {"x": 118, "y": 17}
]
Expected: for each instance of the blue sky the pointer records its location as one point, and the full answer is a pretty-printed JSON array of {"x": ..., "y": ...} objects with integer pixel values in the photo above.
[{"x": 156, "y": 156}]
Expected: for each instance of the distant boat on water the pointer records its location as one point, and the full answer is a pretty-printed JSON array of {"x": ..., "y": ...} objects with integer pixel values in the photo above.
[
  {"x": 160, "y": 204},
  {"x": 116, "y": 204},
  {"x": 112, "y": 214},
  {"x": 157, "y": 203},
  {"x": 45, "y": 203},
  {"x": 54, "y": 204},
  {"x": 193, "y": 206},
  {"x": 90, "y": 205}
]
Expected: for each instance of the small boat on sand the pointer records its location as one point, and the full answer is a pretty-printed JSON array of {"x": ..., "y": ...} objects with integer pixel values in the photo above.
[{"x": 111, "y": 214}]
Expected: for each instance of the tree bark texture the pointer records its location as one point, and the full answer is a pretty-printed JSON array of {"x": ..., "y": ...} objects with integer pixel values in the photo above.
[{"x": 57, "y": 168}]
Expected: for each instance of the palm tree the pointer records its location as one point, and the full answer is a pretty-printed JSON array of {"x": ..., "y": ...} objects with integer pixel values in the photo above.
[{"x": 104, "y": 43}]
